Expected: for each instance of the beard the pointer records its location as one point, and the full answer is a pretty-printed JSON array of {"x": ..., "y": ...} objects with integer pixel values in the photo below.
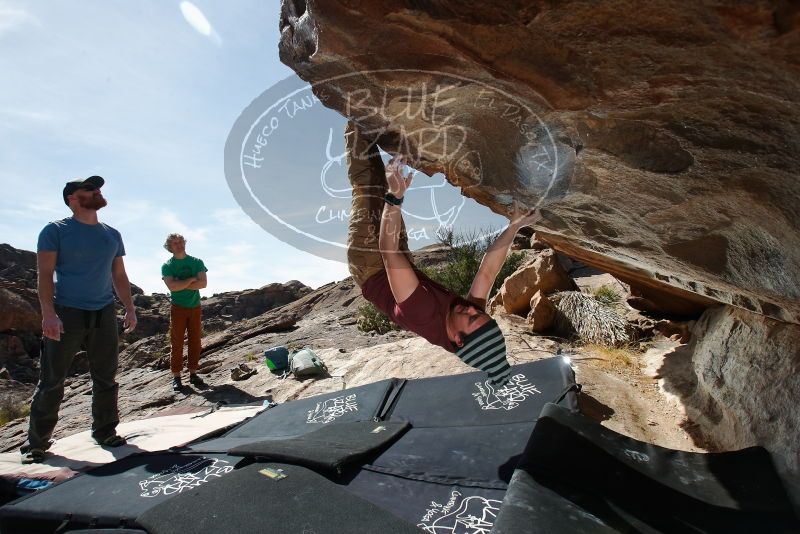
[{"x": 95, "y": 202}]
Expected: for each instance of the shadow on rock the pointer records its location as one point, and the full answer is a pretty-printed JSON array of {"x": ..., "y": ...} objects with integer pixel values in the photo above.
[
  {"x": 229, "y": 394},
  {"x": 594, "y": 409},
  {"x": 679, "y": 379}
]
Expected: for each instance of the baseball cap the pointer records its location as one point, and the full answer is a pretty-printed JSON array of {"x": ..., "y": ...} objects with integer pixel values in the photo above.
[{"x": 74, "y": 185}]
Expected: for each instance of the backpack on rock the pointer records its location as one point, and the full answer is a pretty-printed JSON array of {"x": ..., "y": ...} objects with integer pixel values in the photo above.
[{"x": 305, "y": 363}]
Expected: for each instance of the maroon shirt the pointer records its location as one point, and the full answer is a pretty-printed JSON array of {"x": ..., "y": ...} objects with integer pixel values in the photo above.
[{"x": 424, "y": 312}]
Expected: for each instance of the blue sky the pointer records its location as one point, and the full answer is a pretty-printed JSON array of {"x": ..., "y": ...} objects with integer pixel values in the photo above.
[{"x": 144, "y": 94}]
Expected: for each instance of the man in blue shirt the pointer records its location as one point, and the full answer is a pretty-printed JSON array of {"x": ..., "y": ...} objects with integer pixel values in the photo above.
[{"x": 78, "y": 311}]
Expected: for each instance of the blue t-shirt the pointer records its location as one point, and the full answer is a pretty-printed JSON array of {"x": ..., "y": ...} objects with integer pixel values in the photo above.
[{"x": 83, "y": 266}]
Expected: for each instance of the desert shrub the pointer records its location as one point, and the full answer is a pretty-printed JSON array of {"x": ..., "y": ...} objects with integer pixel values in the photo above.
[
  {"x": 580, "y": 314},
  {"x": 371, "y": 319},
  {"x": 465, "y": 252},
  {"x": 10, "y": 410},
  {"x": 606, "y": 295}
]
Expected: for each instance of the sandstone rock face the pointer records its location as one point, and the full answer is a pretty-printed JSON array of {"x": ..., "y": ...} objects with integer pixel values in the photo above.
[
  {"x": 245, "y": 304},
  {"x": 542, "y": 313},
  {"x": 650, "y": 299},
  {"x": 495, "y": 304},
  {"x": 660, "y": 139},
  {"x": 18, "y": 313},
  {"x": 744, "y": 391},
  {"x": 543, "y": 274},
  {"x": 18, "y": 265}
]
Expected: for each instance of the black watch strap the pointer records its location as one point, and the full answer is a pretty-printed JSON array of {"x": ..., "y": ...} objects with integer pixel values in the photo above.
[{"x": 393, "y": 200}]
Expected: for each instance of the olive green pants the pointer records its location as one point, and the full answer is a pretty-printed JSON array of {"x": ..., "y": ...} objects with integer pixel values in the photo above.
[
  {"x": 96, "y": 331},
  {"x": 368, "y": 180}
]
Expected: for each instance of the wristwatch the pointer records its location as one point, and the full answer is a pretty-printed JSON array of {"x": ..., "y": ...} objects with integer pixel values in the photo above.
[{"x": 393, "y": 200}]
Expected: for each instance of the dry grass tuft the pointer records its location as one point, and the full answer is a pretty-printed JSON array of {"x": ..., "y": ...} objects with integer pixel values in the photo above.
[
  {"x": 620, "y": 358},
  {"x": 593, "y": 322},
  {"x": 11, "y": 409}
]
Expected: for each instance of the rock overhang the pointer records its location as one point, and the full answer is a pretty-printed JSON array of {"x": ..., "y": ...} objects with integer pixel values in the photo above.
[{"x": 660, "y": 142}]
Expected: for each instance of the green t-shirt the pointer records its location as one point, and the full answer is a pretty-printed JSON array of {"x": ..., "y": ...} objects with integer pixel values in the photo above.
[{"x": 182, "y": 269}]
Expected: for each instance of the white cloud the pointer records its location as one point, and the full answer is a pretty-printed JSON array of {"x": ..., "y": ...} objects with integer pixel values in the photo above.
[
  {"x": 171, "y": 223},
  {"x": 199, "y": 22},
  {"x": 12, "y": 18},
  {"x": 233, "y": 217},
  {"x": 28, "y": 115}
]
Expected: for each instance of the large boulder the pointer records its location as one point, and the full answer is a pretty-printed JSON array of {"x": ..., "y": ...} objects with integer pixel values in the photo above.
[
  {"x": 544, "y": 274},
  {"x": 660, "y": 139},
  {"x": 542, "y": 314},
  {"x": 744, "y": 387},
  {"x": 18, "y": 310}
]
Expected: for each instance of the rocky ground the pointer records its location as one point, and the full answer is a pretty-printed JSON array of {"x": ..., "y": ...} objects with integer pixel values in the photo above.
[{"x": 621, "y": 387}]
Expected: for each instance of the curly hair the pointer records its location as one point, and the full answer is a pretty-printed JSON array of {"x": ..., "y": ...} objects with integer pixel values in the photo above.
[{"x": 170, "y": 237}]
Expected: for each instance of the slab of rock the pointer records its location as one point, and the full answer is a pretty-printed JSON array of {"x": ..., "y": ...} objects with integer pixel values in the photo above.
[
  {"x": 745, "y": 386},
  {"x": 543, "y": 274},
  {"x": 542, "y": 314}
]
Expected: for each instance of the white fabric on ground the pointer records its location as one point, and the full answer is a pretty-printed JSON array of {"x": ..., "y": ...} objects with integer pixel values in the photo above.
[{"x": 79, "y": 452}]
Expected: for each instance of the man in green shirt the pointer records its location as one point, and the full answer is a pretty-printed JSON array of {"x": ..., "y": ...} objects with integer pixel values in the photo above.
[{"x": 184, "y": 275}]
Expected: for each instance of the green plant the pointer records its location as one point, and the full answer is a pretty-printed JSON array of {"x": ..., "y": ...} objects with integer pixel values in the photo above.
[
  {"x": 465, "y": 252},
  {"x": 371, "y": 319},
  {"x": 10, "y": 410},
  {"x": 606, "y": 295}
]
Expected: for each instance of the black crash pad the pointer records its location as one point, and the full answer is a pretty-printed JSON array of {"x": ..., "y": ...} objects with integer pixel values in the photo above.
[
  {"x": 433, "y": 507},
  {"x": 469, "y": 400},
  {"x": 330, "y": 447},
  {"x": 603, "y": 481},
  {"x": 250, "y": 501},
  {"x": 479, "y": 453},
  {"x": 298, "y": 417},
  {"x": 113, "y": 495}
]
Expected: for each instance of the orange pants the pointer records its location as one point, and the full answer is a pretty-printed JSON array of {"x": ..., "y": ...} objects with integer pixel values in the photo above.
[{"x": 181, "y": 321}]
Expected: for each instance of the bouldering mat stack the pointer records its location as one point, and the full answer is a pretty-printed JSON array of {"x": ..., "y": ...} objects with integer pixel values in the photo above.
[
  {"x": 390, "y": 456},
  {"x": 450, "y": 471},
  {"x": 578, "y": 476}
]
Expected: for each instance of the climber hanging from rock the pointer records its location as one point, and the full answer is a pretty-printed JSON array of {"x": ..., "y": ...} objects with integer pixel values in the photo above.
[{"x": 380, "y": 263}]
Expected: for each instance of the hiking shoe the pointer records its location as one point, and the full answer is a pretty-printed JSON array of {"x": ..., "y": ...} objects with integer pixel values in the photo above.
[
  {"x": 196, "y": 380},
  {"x": 33, "y": 456},
  {"x": 112, "y": 441},
  {"x": 176, "y": 383}
]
